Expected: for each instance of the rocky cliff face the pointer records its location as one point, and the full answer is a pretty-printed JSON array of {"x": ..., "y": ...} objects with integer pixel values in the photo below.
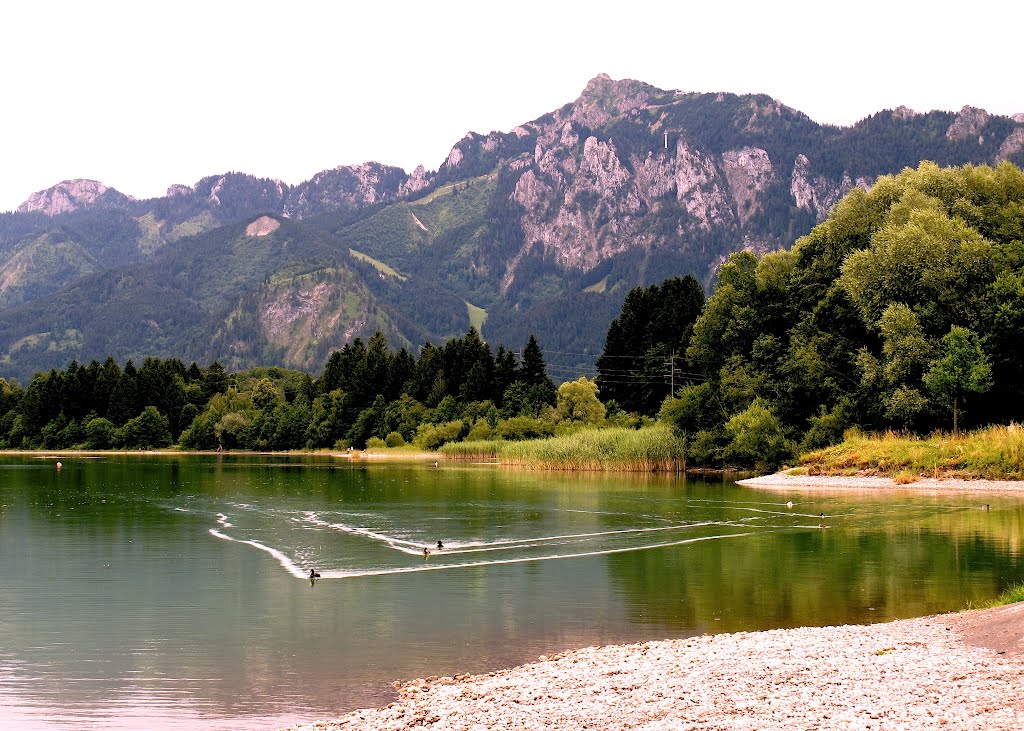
[
  {"x": 604, "y": 168},
  {"x": 631, "y": 167},
  {"x": 72, "y": 195},
  {"x": 817, "y": 194}
]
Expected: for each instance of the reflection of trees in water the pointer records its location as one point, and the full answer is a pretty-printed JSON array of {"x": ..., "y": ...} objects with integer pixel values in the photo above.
[{"x": 815, "y": 577}]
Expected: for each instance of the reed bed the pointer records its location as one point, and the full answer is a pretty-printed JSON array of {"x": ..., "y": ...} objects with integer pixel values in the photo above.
[
  {"x": 653, "y": 449},
  {"x": 993, "y": 453}
]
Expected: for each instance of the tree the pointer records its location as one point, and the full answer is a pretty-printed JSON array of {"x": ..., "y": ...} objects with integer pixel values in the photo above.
[
  {"x": 264, "y": 394},
  {"x": 962, "y": 369},
  {"x": 577, "y": 401},
  {"x": 99, "y": 434},
  {"x": 922, "y": 256},
  {"x": 215, "y": 380},
  {"x": 534, "y": 375},
  {"x": 532, "y": 370},
  {"x": 147, "y": 430},
  {"x": 648, "y": 338},
  {"x": 756, "y": 438}
]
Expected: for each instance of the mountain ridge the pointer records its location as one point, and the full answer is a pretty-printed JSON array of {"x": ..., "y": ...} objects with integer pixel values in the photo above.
[{"x": 541, "y": 228}]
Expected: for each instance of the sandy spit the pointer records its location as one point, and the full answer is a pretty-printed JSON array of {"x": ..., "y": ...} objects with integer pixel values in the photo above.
[
  {"x": 956, "y": 671},
  {"x": 784, "y": 480}
]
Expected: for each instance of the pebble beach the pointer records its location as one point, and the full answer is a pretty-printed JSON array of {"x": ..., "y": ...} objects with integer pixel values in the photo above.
[{"x": 951, "y": 671}]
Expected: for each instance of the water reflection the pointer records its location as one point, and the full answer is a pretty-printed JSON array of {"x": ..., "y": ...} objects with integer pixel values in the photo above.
[{"x": 120, "y": 604}]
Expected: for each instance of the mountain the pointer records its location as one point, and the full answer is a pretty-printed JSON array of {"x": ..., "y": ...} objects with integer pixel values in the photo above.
[{"x": 541, "y": 229}]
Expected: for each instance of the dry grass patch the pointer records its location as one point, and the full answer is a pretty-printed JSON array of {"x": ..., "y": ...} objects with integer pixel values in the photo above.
[{"x": 994, "y": 453}]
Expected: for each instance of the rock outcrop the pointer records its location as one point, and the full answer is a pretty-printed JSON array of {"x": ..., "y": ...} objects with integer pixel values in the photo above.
[
  {"x": 968, "y": 123},
  {"x": 262, "y": 226},
  {"x": 69, "y": 196},
  {"x": 347, "y": 186}
]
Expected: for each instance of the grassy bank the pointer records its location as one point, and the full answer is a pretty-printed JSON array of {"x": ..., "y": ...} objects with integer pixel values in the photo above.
[
  {"x": 994, "y": 453},
  {"x": 653, "y": 449}
]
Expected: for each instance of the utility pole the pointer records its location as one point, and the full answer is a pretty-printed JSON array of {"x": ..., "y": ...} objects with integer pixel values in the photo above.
[{"x": 672, "y": 372}]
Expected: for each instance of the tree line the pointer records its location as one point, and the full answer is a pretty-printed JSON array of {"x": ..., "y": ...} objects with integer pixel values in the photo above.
[{"x": 366, "y": 391}]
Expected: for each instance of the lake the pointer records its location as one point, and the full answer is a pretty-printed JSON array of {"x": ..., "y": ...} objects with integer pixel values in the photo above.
[{"x": 173, "y": 592}]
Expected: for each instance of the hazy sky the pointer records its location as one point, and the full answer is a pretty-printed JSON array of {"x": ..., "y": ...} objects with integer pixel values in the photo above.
[{"x": 141, "y": 95}]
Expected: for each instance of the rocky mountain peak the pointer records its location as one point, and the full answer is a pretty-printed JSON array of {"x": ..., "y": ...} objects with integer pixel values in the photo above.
[
  {"x": 68, "y": 196},
  {"x": 604, "y": 99},
  {"x": 904, "y": 112},
  {"x": 969, "y": 122}
]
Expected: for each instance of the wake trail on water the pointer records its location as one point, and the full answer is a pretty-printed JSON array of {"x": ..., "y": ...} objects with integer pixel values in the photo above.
[
  {"x": 399, "y": 544},
  {"x": 525, "y": 559},
  {"x": 413, "y": 548},
  {"x": 416, "y": 548},
  {"x": 281, "y": 557}
]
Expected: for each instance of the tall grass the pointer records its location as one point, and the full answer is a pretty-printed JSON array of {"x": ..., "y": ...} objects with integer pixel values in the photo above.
[
  {"x": 1012, "y": 595},
  {"x": 995, "y": 453},
  {"x": 633, "y": 450}
]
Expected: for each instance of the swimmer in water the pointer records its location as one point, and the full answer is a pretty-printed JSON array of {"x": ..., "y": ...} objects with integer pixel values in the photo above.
[
  {"x": 426, "y": 553},
  {"x": 440, "y": 545},
  {"x": 822, "y": 524}
]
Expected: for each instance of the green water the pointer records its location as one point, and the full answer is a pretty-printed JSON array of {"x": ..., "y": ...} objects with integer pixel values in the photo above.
[{"x": 172, "y": 592}]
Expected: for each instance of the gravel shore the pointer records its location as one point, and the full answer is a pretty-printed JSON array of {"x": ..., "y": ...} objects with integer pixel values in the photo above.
[
  {"x": 952, "y": 671},
  {"x": 956, "y": 671}
]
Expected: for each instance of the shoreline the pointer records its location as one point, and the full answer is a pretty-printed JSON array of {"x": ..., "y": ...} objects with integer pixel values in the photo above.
[
  {"x": 786, "y": 480},
  {"x": 92, "y": 453},
  {"x": 950, "y": 671}
]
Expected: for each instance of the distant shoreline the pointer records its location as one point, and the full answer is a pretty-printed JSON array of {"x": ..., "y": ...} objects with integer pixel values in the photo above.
[{"x": 353, "y": 455}]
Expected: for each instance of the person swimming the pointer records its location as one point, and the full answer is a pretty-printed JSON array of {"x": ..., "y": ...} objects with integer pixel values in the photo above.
[
  {"x": 440, "y": 545},
  {"x": 426, "y": 552},
  {"x": 313, "y": 574}
]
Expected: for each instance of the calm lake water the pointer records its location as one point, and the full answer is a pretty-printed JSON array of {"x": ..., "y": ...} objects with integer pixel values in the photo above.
[{"x": 171, "y": 592}]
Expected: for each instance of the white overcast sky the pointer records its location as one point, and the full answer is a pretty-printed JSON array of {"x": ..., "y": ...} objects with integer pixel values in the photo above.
[{"x": 141, "y": 95}]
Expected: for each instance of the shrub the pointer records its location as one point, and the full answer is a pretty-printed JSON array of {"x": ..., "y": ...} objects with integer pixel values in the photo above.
[
  {"x": 99, "y": 434},
  {"x": 523, "y": 427},
  {"x": 148, "y": 430},
  {"x": 480, "y": 432},
  {"x": 432, "y": 436},
  {"x": 394, "y": 439},
  {"x": 375, "y": 443}
]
